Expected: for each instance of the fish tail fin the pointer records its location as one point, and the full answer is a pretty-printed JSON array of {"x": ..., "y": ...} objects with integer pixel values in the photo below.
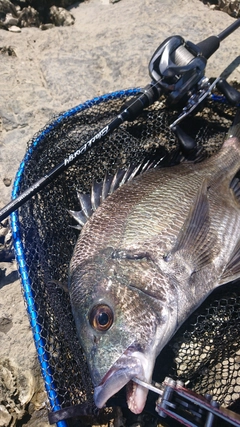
[{"x": 234, "y": 130}]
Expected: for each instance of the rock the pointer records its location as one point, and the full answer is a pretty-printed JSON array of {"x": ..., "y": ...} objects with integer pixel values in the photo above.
[
  {"x": 34, "y": 14},
  {"x": 6, "y": 244},
  {"x": 43, "y": 3},
  {"x": 10, "y": 20},
  {"x": 5, "y": 417},
  {"x": 232, "y": 7},
  {"x": 16, "y": 389},
  {"x": 28, "y": 17},
  {"x": 8, "y": 238},
  {"x": 21, "y": 386},
  {"x": 7, "y": 181},
  {"x": 60, "y": 16},
  {"x": 3, "y": 26},
  {"x": 14, "y": 29},
  {"x": 7, "y": 7},
  {"x": 21, "y": 391},
  {"x": 39, "y": 419},
  {"x": 4, "y": 228},
  {"x": 46, "y": 26},
  {"x": 8, "y": 14},
  {"x": 63, "y": 3}
]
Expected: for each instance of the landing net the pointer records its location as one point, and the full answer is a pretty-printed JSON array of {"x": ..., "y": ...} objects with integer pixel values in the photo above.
[{"x": 205, "y": 352}]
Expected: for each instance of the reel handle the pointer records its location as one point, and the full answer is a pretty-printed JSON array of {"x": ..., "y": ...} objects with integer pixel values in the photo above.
[{"x": 231, "y": 94}]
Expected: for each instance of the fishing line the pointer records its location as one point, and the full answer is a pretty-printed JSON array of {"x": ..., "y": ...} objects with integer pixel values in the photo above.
[
  {"x": 138, "y": 104},
  {"x": 175, "y": 79}
]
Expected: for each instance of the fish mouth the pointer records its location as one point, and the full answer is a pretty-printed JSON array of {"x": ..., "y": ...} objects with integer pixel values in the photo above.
[{"x": 129, "y": 365}]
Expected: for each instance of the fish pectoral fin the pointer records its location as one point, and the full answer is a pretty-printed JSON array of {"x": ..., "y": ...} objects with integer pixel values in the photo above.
[
  {"x": 232, "y": 269},
  {"x": 195, "y": 239}
]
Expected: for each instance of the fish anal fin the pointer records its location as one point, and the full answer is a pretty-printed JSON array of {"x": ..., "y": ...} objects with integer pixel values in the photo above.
[
  {"x": 232, "y": 269},
  {"x": 195, "y": 241}
]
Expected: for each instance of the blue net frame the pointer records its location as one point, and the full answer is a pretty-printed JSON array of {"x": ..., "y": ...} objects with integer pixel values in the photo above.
[
  {"x": 28, "y": 293},
  {"x": 19, "y": 249}
]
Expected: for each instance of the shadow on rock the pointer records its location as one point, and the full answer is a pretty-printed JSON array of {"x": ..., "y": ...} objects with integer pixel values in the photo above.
[{"x": 7, "y": 279}]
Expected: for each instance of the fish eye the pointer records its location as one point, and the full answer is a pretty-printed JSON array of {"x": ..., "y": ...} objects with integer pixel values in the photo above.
[{"x": 101, "y": 317}]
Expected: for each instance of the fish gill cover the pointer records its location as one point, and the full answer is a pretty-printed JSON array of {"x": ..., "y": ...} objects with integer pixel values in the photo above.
[{"x": 205, "y": 352}]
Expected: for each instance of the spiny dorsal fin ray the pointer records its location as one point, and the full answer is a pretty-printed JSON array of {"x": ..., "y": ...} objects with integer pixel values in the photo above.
[
  {"x": 232, "y": 269},
  {"x": 101, "y": 190},
  {"x": 80, "y": 217},
  {"x": 117, "y": 180},
  {"x": 96, "y": 194},
  {"x": 106, "y": 186},
  {"x": 85, "y": 203}
]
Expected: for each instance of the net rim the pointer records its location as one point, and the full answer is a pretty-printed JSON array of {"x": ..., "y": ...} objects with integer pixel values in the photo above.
[{"x": 19, "y": 247}]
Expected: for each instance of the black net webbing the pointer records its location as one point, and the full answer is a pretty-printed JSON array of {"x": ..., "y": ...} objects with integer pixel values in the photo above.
[{"x": 205, "y": 353}]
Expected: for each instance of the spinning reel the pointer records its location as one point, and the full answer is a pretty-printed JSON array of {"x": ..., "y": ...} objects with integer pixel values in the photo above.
[{"x": 177, "y": 71}]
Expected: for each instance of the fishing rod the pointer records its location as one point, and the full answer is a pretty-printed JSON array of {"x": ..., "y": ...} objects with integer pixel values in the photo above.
[
  {"x": 175, "y": 402},
  {"x": 187, "y": 407},
  {"x": 177, "y": 71}
]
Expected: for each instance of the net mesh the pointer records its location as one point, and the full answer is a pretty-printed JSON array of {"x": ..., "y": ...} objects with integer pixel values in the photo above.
[{"x": 205, "y": 352}]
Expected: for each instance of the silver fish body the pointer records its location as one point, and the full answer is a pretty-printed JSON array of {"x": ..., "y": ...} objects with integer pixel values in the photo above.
[{"x": 146, "y": 258}]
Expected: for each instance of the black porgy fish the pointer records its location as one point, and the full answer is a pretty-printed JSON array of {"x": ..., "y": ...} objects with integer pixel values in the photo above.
[{"x": 151, "y": 249}]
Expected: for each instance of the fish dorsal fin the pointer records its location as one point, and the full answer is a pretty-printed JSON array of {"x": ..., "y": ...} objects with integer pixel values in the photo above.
[
  {"x": 234, "y": 130},
  {"x": 232, "y": 269},
  {"x": 82, "y": 216},
  {"x": 194, "y": 239},
  {"x": 235, "y": 186},
  {"x": 101, "y": 190}
]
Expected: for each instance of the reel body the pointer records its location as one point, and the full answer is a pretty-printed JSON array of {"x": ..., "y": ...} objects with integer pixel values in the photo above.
[{"x": 177, "y": 67}]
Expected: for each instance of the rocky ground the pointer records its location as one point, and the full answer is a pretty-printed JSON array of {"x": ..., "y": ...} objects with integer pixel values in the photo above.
[
  {"x": 45, "y": 72},
  {"x": 16, "y": 14}
]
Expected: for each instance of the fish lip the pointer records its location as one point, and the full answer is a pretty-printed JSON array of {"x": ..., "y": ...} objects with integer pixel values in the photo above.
[{"x": 116, "y": 378}]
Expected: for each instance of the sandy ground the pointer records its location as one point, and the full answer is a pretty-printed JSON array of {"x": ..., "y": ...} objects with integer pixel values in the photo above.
[{"x": 107, "y": 49}]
